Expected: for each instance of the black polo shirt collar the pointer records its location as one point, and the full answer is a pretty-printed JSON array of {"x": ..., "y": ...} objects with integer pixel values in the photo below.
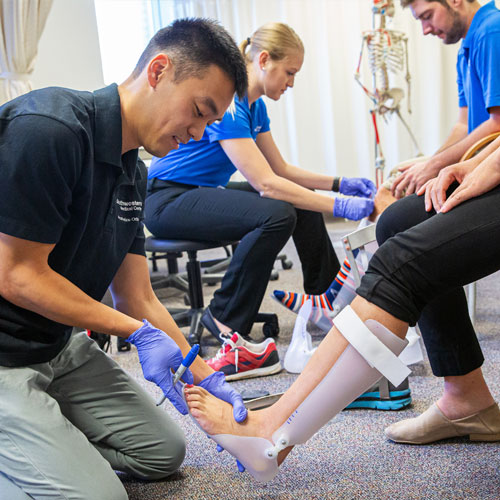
[{"x": 108, "y": 140}]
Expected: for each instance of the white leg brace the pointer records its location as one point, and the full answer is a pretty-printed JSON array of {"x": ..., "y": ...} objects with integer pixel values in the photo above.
[{"x": 372, "y": 353}]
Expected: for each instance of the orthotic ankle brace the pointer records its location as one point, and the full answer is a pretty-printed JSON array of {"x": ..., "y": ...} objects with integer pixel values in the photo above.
[{"x": 372, "y": 353}]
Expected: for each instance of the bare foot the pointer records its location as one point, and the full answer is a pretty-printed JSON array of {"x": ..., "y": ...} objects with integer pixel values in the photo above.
[
  {"x": 465, "y": 395},
  {"x": 455, "y": 409},
  {"x": 216, "y": 417},
  {"x": 382, "y": 200}
]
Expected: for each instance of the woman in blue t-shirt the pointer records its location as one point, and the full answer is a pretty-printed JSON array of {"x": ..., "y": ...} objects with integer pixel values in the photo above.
[{"x": 190, "y": 197}]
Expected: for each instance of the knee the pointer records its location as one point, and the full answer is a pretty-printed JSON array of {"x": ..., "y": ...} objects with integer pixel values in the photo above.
[
  {"x": 391, "y": 222},
  {"x": 163, "y": 458},
  {"x": 385, "y": 226},
  {"x": 400, "y": 216},
  {"x": 282, "y": 217}
]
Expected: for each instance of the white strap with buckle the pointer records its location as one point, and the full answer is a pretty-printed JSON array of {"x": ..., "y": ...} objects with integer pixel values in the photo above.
[{"x": 376, "y": 354}]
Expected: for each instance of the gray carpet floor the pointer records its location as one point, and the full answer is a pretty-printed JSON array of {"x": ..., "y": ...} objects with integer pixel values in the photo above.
[{"x": 349, "y": 458}]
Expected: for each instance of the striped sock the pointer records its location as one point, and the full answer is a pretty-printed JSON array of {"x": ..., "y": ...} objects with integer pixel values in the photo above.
[{"x": 294, "y": 301}]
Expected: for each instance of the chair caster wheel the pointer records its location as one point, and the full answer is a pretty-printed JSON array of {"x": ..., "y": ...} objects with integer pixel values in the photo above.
[
  {"x": 286, "y": 264},
  {"x": 271, "y": 328},
  {"x": 274, "y": 275},
  {"x": 122, "y": 345}
]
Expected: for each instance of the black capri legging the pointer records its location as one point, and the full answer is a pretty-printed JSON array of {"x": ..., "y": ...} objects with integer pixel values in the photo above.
[
  {"x": 423, "y": 262},
  {"x": 261, "y": 225}
]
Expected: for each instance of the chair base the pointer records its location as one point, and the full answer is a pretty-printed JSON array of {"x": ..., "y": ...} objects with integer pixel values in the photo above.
[
  {"x": 172, "y": 249},
  {"x": 170, "y": 281}
]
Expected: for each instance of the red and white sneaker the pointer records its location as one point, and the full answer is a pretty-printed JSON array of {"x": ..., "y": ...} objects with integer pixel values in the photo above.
[{"x": 239, "y": 359}]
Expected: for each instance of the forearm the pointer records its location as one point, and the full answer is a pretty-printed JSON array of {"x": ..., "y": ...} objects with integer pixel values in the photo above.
[
  {"x": 486, "y": 152},
  {"x": 51, "y": 295},
  {"x": 458, "y": 133},
  {"x": 482, "y": 179},
  {"x": 151, "y": 308},
  {"x": 454, "y": 153},
  {"x": 304, "y": 178},
  {"x": 283, "y": 189}
]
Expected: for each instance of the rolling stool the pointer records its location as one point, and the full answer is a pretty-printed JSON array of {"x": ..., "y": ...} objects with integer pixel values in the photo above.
[
  {"x": 218, "y": 265},
  {"x": 175, "y": 279},
  {"x": 191, "y": 316}
]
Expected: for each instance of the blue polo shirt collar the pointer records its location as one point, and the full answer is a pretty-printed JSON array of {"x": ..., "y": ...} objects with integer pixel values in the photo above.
[{"x": 480, "y": 15}]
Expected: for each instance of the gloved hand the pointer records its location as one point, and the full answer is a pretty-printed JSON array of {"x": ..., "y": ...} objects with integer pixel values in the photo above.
[
  {"x": 158, "y": 353},
  {"x": 352, "y": 208},
  {"x": 357, "y": 186},
  {"x": 216, "y": 384}
]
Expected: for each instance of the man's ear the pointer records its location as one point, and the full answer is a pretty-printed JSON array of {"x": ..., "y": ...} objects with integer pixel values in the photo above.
[
  {"x": 264, "y": 57},
  {"x": 455, "y": 3},
  {"x": 158, "y": 68}
]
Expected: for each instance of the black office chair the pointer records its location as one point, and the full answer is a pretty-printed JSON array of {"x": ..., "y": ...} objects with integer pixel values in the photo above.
[{"x": 172, "y": 250}]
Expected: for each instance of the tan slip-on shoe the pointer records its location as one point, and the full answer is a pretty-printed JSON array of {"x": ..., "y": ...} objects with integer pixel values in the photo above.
[{"x": 433, "y": 425}]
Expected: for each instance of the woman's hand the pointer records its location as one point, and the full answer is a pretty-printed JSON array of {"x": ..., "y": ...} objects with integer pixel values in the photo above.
[
  {"x": 474, "y": 178},
  {"x": 352, "y": 208},
  {"x": 357, "y": 186},
  {"x": 481, "y": 180},
  {"x": 435, "y": 189}
]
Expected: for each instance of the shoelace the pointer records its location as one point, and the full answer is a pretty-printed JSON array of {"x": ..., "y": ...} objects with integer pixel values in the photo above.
[{"x": 228, "y": 346}]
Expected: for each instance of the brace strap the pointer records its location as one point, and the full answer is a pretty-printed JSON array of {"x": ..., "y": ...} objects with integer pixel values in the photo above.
[{"x": 376, "y": 354}]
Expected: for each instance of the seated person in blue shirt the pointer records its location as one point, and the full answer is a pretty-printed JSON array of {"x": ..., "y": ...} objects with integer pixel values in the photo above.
[{"x": 186, "y": 199}]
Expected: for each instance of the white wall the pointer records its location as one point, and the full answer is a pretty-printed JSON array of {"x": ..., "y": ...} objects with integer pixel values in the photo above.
[
  {"x": 68, "y": 52},
  {"x": 343, "y": 132},
  {"x": 334, "y": 137}
]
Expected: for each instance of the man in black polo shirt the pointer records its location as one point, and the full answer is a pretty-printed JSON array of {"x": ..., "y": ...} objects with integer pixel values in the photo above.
[{"x": 71, "y": 202}]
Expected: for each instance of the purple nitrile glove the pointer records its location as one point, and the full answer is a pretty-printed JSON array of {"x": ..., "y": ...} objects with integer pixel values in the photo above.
[
  {"x": 158, "y": 354},
  {"x": 357, "y": 186},
  {"x": 352, "y": 208},
  {"x": 216, "y": 384}
]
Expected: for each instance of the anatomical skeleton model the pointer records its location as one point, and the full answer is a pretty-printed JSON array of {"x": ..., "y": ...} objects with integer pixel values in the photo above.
[{"x": 387, "y": 53}]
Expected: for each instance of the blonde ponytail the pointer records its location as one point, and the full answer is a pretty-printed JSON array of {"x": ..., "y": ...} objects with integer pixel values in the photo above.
[{"x": 276, "y": 38}]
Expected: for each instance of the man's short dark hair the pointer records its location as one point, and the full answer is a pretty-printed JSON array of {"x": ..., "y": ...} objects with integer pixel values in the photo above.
[
  {"x": 193, "y": 45},
  {"x": 406, "y": 3}
]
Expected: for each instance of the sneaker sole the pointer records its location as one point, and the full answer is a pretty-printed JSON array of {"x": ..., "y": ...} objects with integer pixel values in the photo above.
[
  {"x": 372, "y": 401},
  {"x": 256, "y": 372}
]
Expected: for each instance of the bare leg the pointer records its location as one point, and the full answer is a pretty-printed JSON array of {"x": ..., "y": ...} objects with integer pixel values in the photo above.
[
  {"x": 382, "y": 200},
  {"x": 222, "y": 327},
  {"x": 465, "y": 395},
  {"x": 215, "y": 416}
]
